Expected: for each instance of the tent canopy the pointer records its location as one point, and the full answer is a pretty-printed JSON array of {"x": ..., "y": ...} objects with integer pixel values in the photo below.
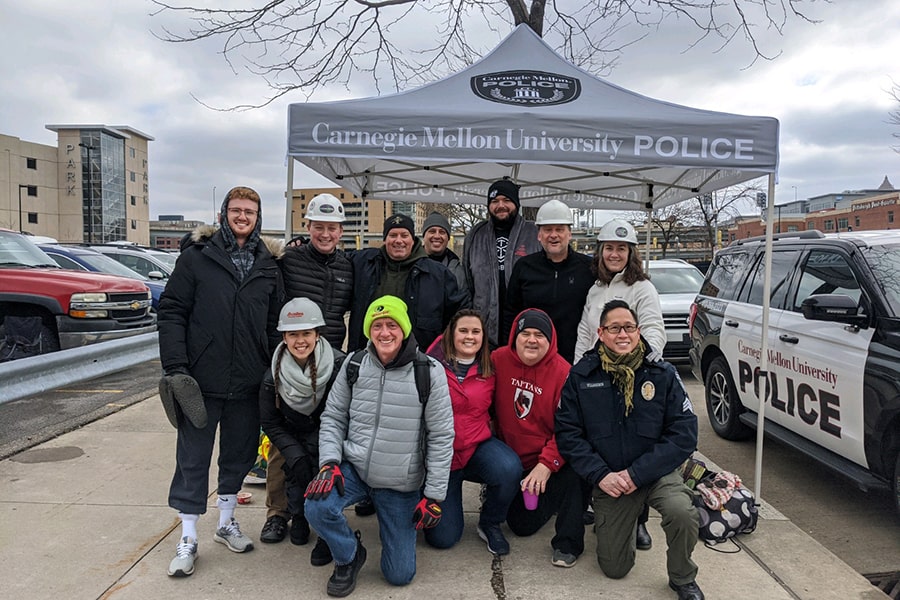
[{"x": 524, "y": 112}]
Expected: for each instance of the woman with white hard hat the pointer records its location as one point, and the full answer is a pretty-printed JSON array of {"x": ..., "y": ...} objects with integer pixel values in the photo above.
[
  {"x": 620, "y": 276},
  {"x": 291, "y": 400}
]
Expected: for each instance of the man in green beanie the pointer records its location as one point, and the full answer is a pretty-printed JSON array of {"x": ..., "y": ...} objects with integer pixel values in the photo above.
[{"x": 394, "y": 448}]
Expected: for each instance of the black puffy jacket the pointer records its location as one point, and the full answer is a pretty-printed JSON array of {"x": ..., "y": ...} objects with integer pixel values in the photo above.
[{"x": 326, "y": 280}]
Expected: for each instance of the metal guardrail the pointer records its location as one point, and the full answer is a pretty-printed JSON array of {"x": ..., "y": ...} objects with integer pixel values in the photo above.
[{"x": 28, "y": 376}]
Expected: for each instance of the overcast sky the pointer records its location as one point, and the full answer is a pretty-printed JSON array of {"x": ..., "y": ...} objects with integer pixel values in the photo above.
[{"x": 97, "y": 61}]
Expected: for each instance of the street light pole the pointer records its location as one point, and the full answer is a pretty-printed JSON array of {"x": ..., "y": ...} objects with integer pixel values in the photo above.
[
  {"x": 215, "y": 212},
  {"x": 88, "y": 147},
  {"x": 21, "y": 226}
]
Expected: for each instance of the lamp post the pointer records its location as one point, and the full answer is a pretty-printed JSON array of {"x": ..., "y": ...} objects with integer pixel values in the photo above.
[
  {"x": 88, "y": 147},
  {"x": 215, "y": 212},
  {"x": 21, "y": 226}
]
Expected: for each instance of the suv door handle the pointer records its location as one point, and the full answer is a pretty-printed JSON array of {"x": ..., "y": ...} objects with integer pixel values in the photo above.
[
  {"x": 788, "y": 339},
  {"x": 730, "y": 323}
]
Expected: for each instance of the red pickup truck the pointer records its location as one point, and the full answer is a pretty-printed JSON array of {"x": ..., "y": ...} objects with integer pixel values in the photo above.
[{"x": 44, "y": 308}]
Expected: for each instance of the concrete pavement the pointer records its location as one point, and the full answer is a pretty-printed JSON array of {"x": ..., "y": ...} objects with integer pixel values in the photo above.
[{"x": 85, "y": 516}]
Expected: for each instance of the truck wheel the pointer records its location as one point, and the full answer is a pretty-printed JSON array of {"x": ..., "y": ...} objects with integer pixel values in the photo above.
[
  {"x": 49, "y": 340},
  {"x": 722, "y": 403}
]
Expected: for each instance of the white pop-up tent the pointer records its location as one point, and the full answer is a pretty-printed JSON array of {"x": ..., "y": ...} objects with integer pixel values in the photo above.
[{"x": 526, "y": 113}]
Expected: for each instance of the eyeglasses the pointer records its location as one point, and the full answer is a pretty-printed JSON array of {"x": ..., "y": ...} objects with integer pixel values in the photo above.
[
  {"x": 615, "y": 329},
  {"x": 248, "y": 212}
]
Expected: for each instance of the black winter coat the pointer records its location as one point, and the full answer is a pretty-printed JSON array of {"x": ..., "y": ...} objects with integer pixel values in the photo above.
[
  {"x": 294, "y": 434},
  {"x": 431, "y": 294},
  {"x": 559, "y": 289},
  {"x": 326, "y": 280},
  {"x": 596, "y": 438},
  {"x": 219, "y": 329}
]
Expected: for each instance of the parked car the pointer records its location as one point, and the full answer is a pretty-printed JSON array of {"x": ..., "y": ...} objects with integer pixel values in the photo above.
[
  {"x": 44, "y": 308},
  {"x": 153, "y": 264},
  {"x": 833, "y": 348},
  {"x": 677, "y": 282},
  {"x": 78, "y": 258}
]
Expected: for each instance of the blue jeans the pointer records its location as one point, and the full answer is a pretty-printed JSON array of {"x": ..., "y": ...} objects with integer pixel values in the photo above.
[
  {"x": 493, "y": 463},
  {"x": 395, "y": 525}
]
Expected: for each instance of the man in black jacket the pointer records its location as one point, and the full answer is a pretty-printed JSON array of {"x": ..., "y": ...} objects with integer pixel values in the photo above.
[
  {"x": 217, "y": 325},
  {"x": 555, "y": 279},
  {"x": 401, "y": 268},
  {"x": 626, "y": 424}
]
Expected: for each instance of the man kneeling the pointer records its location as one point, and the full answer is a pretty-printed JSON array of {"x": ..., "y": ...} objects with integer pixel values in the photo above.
[{"x": 625, "y": 424}]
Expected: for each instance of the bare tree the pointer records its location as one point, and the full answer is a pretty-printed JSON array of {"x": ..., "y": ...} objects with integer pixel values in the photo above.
[
  {"x": 462, "y": 217},
  {"x": 305, "y": 45},
  {"x": 894, "y": 115},
  {"x": 682, "y": 220}
]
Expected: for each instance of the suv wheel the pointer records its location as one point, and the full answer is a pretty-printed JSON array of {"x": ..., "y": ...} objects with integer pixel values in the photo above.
[{"x": 722, "y": 404}]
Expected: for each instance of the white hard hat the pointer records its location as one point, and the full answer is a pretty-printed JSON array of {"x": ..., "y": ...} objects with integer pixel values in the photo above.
[
  {"x": 299, "y": 314},
  {"x": 325, "y": 207},
  {"x": 617, "y": 231},
  {"x": 554, "y": 212}
]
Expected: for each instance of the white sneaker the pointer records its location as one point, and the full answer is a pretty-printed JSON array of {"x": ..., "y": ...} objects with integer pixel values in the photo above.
[
  {"x": 185, "y": 555},
  {"x": 231, "y": 536}
]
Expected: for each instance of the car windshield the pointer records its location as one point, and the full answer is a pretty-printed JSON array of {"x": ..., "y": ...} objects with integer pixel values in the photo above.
[
  {"x": 885, "y": 263},
  {"x": 165, "y": 257},
  {"x": 18, "y": 251},
  {"x": 105, "y": 264},
  {"x": 676, "y": 280}
]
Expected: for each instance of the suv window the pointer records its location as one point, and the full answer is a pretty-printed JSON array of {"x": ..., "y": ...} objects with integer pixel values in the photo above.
[
  {"x": 885, "y": 263},
  {"x": 826, "y": 273},
  {"x": 724, "y": 274},
  {"x": 782, "y": 264}
]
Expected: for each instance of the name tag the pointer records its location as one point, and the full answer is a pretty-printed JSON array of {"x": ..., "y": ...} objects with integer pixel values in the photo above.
[{"x": 591, "y": 385}]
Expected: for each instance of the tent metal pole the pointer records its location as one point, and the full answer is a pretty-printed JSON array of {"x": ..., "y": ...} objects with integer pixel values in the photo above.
[
  {"x": 289, "y": 202},
  {"x": 767, "y": 388}
]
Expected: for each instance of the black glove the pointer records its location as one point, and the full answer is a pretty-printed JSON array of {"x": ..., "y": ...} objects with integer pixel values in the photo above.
[
  {"x": 301, "y": 471},
  {"x": 170, "y": 405},
  {"x": 188, "y": 397},
  {"x": 329, "y": 476},
  {"x": 427, "y": 514}
]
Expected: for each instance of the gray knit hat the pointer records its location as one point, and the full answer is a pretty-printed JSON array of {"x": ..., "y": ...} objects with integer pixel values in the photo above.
[{"x": 436, "y": 219}]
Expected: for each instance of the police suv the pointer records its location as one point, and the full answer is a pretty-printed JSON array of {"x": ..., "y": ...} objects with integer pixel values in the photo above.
[{"x": 833, "y": 348}]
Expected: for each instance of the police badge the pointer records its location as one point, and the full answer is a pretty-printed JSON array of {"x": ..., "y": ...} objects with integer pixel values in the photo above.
[{"x": 648, "y": 390}]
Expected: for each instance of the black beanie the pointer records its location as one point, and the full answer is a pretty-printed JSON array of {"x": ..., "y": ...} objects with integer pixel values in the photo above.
[
  {"x": 504, "y": 187},
  {"x": 399, "y": 220},
  {"x": 535, "y": 319}
]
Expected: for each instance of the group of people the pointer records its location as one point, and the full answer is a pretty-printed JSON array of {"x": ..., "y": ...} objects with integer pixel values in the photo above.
[{"x": 426, "y": 396}]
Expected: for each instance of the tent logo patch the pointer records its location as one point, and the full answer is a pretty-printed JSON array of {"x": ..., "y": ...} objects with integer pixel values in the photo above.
[{"x": 526, "y": 88}]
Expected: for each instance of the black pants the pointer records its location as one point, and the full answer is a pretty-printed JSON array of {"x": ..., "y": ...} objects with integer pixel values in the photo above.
[
  {"x": 237, "y": 422},
  {"x": 564, "y": 496}
]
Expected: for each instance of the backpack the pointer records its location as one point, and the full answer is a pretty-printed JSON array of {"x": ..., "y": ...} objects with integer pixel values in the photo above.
[{"x": 421, "y": 371}]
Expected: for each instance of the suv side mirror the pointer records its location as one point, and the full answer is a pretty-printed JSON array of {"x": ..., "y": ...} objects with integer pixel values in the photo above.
[
  {"x": 156, "y": 275},
  {"x": 838, "y": 308}
]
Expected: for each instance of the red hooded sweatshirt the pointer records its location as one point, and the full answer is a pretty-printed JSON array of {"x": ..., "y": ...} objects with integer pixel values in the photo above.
[
  {"x": 525, "y": 400},
  {"x": 471, "y": 400}
]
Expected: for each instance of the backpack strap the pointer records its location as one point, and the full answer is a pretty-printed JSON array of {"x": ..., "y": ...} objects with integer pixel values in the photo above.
[
  {"x": 353, "y": 367},
  {"x": 422, "y": 371}
]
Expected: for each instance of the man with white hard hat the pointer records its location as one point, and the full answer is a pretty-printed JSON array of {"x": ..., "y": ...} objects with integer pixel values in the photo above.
[
  {"x": 320, "y": 271},
  {"x": 555, "y": 279}
]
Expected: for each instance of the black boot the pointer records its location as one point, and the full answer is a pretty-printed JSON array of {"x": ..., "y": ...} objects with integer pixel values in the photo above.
[
  {"x": 321, "y": 554},
  {"x": 343, "y": 580},
  {"x": 688, "y": 591},
  {"x": 299, "y": 530},
  {"x": 644, "y": 541},
  {"x": 364, "y": 508}
]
